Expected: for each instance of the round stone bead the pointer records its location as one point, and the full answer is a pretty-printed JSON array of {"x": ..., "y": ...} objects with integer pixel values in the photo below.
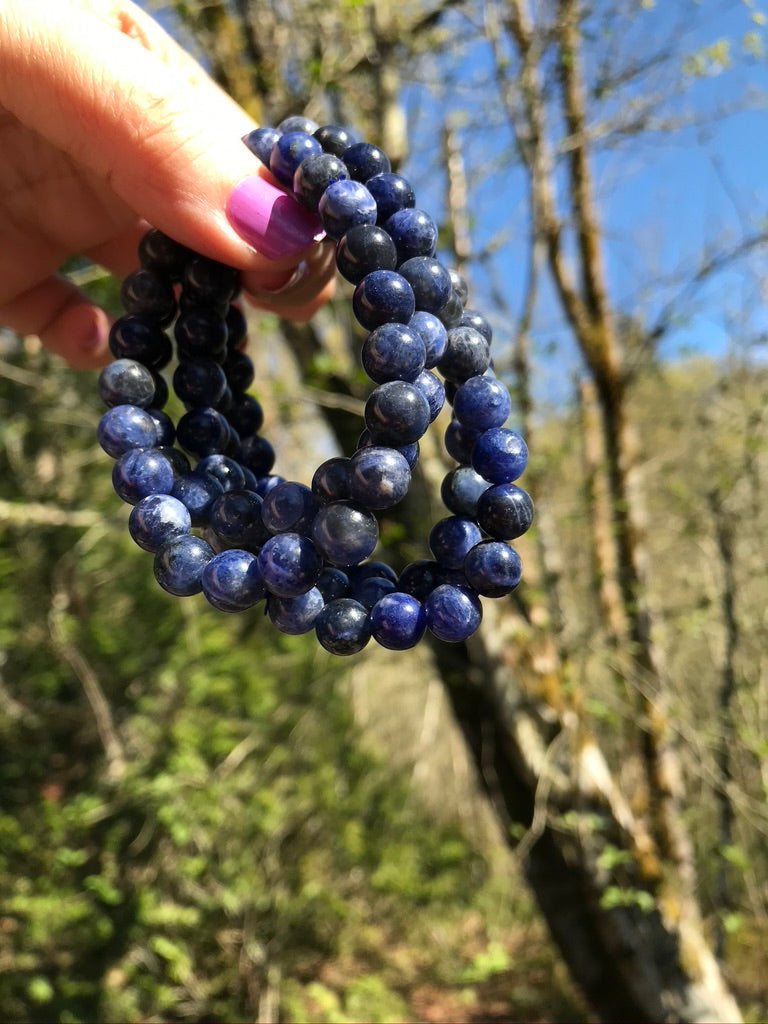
[
  {"x": 124, "y": 427},
  {"x": 451, "y": 539},
  {"x": 333, "y": 583},
  {"x": 166, "y": 432},
  {"x": 257, "y": 454},
  {"x": 499, "y": 455},
  {"x": 364, "y": 160},
  {"x": 392, "y": 193},
  {"x": 237, "y": 327},
  {"x": 197, "y": 493},
  {"x": 298, "y": 123},
  {"x": 420, "y": 578},
  {"x": 367, "y": 570},
  {"x": 410, "y": 452},
  {"x": 224, "y": 469},
  {"x": 290, "y": 564},
  {"x": 330, "y": 481},
  {"x": 344, "y": 533},
  {"x": 162, "y": 254},
  {"x": 200, "y": 332},
  {"x": 141, "y": 472},
  {"x": 236, "y": 520},
  {"x": 149, "y": 293},
  {"x": 156, "y": 519},
  {"x": 378, "y": 477},
  {"x": 433, "y": 391},
  {"x": 466, "y": 355},
  {"x": 369, "y": 590},
  {"x": 238, "y": 369},
  {"x": 461, "y": 490},
  {"x": 396, "y": 413},
  {"x": 460, "y": 440},
  {"x": 260, "y": 142},
  {"x": 343, "y": 626},
  {"x": 398, "y": 621},
  {"x": 452, "y": 312},
  {"x": 434, "y": 335},
  {"x": 140, "y": 338},
  {"x": 459, "y": 284},
  {"x": 179, "y": 565},
  {"x": 210, "y": 282},
  {"x": 162, "y": 392},
  {"x": 313, "y": 176},
  {"x": 289, "y": 508},
  {"x": 393, "y": 352},
  {"x": 295, "y": 615},
  {"x": 288, "y": 152},
  {"x": 363, "y": 249},
  {"x": 493, "y": 568},
  {"x": 413, "y": 232},
  {"x": 231, "y": 581},
  {"x": 481, "y": 403},
  {"x": 382, "y": 297},
  {"x": 334, "y": 138},
  {"x": 452, "y": 613},
  {"x": 505, "y": 511},
  {"x": 199, "y": 382},
  {"x": 202, "y": 431},
  {"x": 246, "y": 415},
  {"x": 264, "y": 484},
  {"x": 471, "y": 318},
  {"x": 430, "y": 281},
  {"x": 345, "y": 204}
]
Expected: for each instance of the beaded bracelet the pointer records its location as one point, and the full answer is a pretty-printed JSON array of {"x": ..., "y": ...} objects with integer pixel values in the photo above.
[{"x": 231, "y": 528}]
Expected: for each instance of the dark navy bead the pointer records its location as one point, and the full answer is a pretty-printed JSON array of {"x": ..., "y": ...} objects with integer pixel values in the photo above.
[
  {"x": 265, "y": 484},
  {"x": 461, "y": 490},
  {"x": 290, "y": 564},
  {"x": 364, "y": 160},
  {"x": 161, "y": 390},
  {"x": 237, "y": 327},
  {"x": 238, "y": 369},
  {"x": 140, "y": 338},
  {"x": 202, "y": 432},
  {"x": 156, "y": 519},
  {"x": 433, "y": 391},
  {"x": 313, "y": 176},
  {"x": 481, "y": 403},
  {"x": 410, "y": 452},
  {"x": 393, "y": 352},
  {"x": 366, "y": 570},
  {"x": 452, "y": 312},
  {"x": 334, "y": 138},
  {"x": 345, "y": 204},
  {"x": 430, "y": 282},
  {"x": 166, "y": 432},
  {"x": 251, "y": 480},
  {"x": 162, "y": 254},
  {"x": 343, "y": 627},
  {"x": 124, "y": 427},
  {"x": 378, "y": 477},
  {"x": 398, "y": 621},
  {"x": 451, "y": 539},
  {"x": 199, "y": 382},
  {"x": 345, "y": 534},
  {"x": 471, "y": 318},
  {"x": 288, "y": 152},
  {"x": 197, "y": 493},
  {"x": 140, "y": 473},
  {"x": 149, "y": 293},
  {"x": 453, "y": 613},
  {"x": 231, "y": 581},
  {"x": 363, "y": 249},
  {"x": 382, "y": 297},
  {"x": 434, "y": 335},
  {"x": 333, "y": 583},
  {"x": 257, "y": 454},
  {"x": 420, "y": 578},
  {"x": 413, "y": 232},
  {"x": 505, "y": 511},
  {"x": 224, "y": 469},
  {"x": 295, "y": 615},
  {"x": 210, "y": 281},
  {"x": 459, "y": 441},
  {"x": 500, "y": 455},
  {"x": 289, "y": 508},
  {"x": 236, "y": 520},
  {"x": 392, "y": 193},
  {"x": 396, "y": 413},
  {"x": 298, "y": 123},
  {"x": 178, "y": 460},
  {"x": 466, "y": 355},
  {"x": 200, "y": 332},
  {"x": 179, "y": 565},
  {"x": 370, "y": 590},
  {"x": 459, "y": 284},
  {"x": 331, "y": 480},
  {"x": 246, "y": 416},
  {"x": 493, "y": 568},
  {"x": 260, "y": 142}
]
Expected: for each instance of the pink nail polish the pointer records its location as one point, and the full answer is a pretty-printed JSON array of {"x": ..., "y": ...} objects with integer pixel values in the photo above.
[{"x": 270, "y": 220}]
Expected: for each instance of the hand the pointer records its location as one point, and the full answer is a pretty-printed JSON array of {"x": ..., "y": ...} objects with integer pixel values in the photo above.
[{"x": 106, "y": 126}]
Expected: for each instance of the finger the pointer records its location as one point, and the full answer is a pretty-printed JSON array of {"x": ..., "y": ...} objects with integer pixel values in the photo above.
[{"x": 300, "y": 296}]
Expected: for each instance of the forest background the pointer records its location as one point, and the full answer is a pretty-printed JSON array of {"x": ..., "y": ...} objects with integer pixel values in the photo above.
[{"x": 563, "y": 819}]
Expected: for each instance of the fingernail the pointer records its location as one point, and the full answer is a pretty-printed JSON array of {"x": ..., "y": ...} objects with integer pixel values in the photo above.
[
  {"x": 95, "y": 333},
  {"x": 270, "y": 220},
  {"x": 275, "y": 284}
]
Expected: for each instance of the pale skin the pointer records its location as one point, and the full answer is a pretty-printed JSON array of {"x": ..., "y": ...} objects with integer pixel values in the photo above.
[{"x": 107, "y": 126}]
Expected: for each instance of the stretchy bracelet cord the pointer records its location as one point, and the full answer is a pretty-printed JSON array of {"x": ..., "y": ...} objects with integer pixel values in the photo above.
[{"x": 205, "y": 500}]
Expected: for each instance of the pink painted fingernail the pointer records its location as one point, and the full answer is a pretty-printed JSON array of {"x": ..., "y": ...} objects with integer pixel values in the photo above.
[{"x": 270, "y": 220}]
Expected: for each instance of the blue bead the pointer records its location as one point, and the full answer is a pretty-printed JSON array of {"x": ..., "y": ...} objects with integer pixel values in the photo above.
[
  {"x": 378, "y": 477},
  {"x": 466, "y": 355},
  {"x": 197, "y": 493},
  {"x": 410, "y": 452},
  {"x": 238, "y": 369},
  {"x": 298, "y": 123},
  {"x": 364, "y": 160},
  {"x": 453, "y": 613},
  {"x": 264, "y": 484},
  {"x": 199, "y": 382},
  {"x": 344, "y": 205},
  {"x": 413, "y": 232},
  {"x": 235, "y": 518},
  {"x": 430, "y": 281},
  {"x": 461, "y": 490},
  {"x": 142, "y": 472},
  {"x": 396, "y": 413},
  {"x": 166, "y": 432},
  {"x": 246, "y": 416},
  {"x": 363, "y": 249},
  {"x": 434, "y": 335},
  {"x": 290, "y": 564},
  {"x": 499, "y": 455},
  {"x": 288, "y": 152},
  {"x": 481, "y": 403},
  {"x": 162, "y": 254},
  {"x": 313, "y": 176},
  {"x": 156, "y": 519},
  {"x": 398, "y": 621},
  {"x": 295, "y": 615},
  {"x": 257, "y": 454},
  {"x": 370, "y": 590},
  {"x": 236, "y": 325},
  {"x": 459, "y": 441},
  {"x": 140, "y": 338},
  {"x": 366, "y": 570},
  {"x": 459, "y": 285},
  {"x": 125, "y": 427},
  {"x": 202, "y": 431},
  {"x": 393, "y": 352},
  {"x": 200, "y": 332},
  {"x": 224, "y": 469},
  {"x": 505, "y": 511},
  {"x": 344, "y": 534},
  {"x": 433, "y": 391},
  {"x": 212, "y": 283},
  {"x": 452, "y": 312},
  {"x": 382, "y": 297},
  {"x": 260, "y": 142},
  {"x": 126, "y": 382},
  {"x": 179, "y": 565},
  {"x": 334, "y": 138},
  {"x": 493, "y": 568},
  {"x": 392, "y": 193},
  {"x": 420, "y": 578},
  {"x": 471, "y": 318},
  {"x": 231, "y": 581},
  {"x": 333, "y": 583},
  {"x": 289, "y": 508},
  {"x": 451, "y": 539},
  {"x": 330, "y": 481},
  {"x": 343, "y": 626}
]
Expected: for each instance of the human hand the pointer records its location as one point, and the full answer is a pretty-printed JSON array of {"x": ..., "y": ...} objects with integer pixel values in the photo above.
[{"x": 107, "y": 126}]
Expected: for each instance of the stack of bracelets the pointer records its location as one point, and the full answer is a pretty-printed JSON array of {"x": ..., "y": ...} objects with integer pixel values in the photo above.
[{"x": 232, "y": 529}]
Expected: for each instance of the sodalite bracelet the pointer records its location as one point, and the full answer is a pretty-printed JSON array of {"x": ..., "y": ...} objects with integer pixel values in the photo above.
[{"x": 205, "y": 500}]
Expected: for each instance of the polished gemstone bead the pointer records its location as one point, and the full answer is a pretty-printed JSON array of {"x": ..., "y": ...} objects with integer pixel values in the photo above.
[
  {"x": 365, "y": 570},
  {"x": 420, "y": 578},
  {"x": 202, "y": 431},
  {"x": 298, "y": 123},
  {"x": 370, "y": 590},
  {"x": 471, "y": 318},
  {"x": 453, "y": 613},
  {"x": 396, "y": 413},
  {"x": 197, "y": 493},
  {"x": 334, "y": 138},
  {"x": 200, "y": 332},
  {"x": 190, "y": 299},
  {"x": 231, "y": 581},
  {"x": 452, "y": 312},
  {"x": 461, "y": 490},
  {"x": 124, "y": 427},
  {"x": 260, "y": 142},
  {"x": 364, "y": 160},
  {"x": 378, "y": 477},
  {"x": 162, "y": 392},
  {"x": 257, "y": 454},
  {"x": 499, "y": 455},
  {"x": 434, "y": 335},
  {"x": 433, "y": 391},
  {"x": 363, "y": 249},
  {"x": 410, "y": 452},
  {"x": 224, "y": 469},
  {"x": 505, "y": 511},
  {"x": 141, "y": 472},
  {"x": 288, "y": 152},
  {"x": 210, "y": 281},
  {"x": 140, "y": 338},
  {"x": 345, "y": 204},
  {"x": 493, "y": 568},
  {"x": 290, "y": 564},
  {"x": 383, "y": 296},
  {"x": 330, "y": 481},
  {"x": 199, "y": 382},
  {"x": 156, "y": 519},
  {"x": 398, "y": 621},
  {"x": 343, "y": 626},
  {"x": 481, "y": 403},
  {"x": 459, "y": 284},
  {"x": 238, "y": 369},
  {"x": 393, "y": 352},
  {"x": 466, "y": 355},
  {"x": 392, "y": 193},
  {"x": 295, "y": 615},
  {"x": 459, "y": 441},
  {"x": 162, "y": 254},
  {"x": 452, "y": 538},
  {"x": 246, "y": 415},
  {"x": 344, "y": 533},
  {"x": 179, "y": 565},
  {"x": 149, "y": 293},
  {"x": 413, "y": 232},
  {"x": 430, "y": 281},
  {"x": 289, "y": 508},
  {"x": 264, "y": 484},
  {"x": 313, "y": 176},
  {"x": 333, "y": 583},
  {"x": 166, "y": 432},
  {"x": 236, "y": 520}
]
